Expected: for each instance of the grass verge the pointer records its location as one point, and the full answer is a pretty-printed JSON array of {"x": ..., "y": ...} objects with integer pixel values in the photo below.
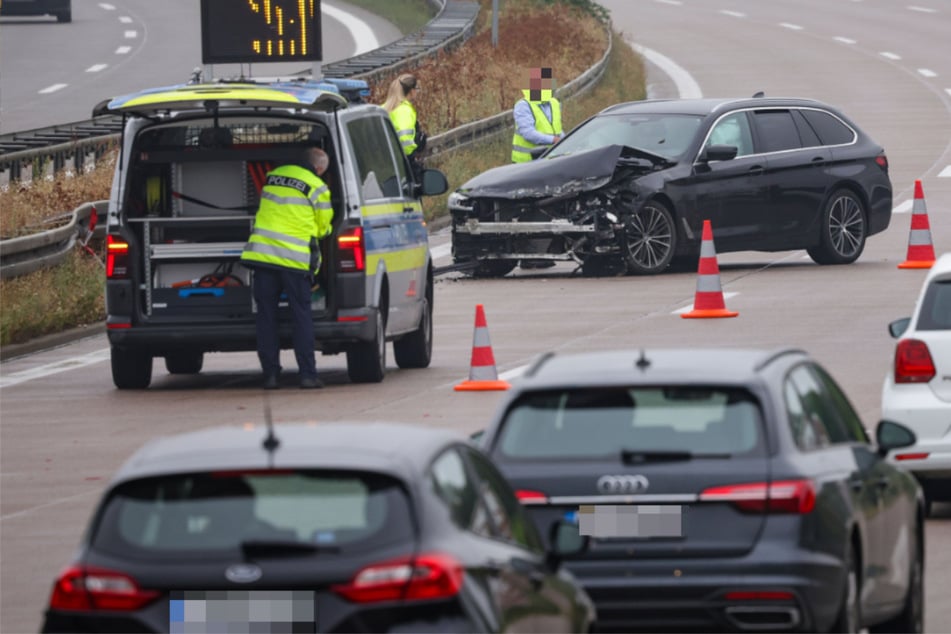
[{"x": 472, "y": 82}]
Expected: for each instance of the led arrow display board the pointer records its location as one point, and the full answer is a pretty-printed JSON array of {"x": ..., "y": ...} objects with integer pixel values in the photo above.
[{"x": 254, "y": 31}]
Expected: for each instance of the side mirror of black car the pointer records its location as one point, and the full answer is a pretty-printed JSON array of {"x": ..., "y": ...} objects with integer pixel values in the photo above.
[
  {"x": 434, "y": 183},
  {"x": 891, "y": 436},
  {"x": 719, "y": 153},
  {"x": 566, "y": 539},
  {"x": 898, "y": 327}
]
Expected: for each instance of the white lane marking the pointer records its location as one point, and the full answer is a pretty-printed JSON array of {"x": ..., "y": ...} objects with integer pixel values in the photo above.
[
  {"x": 922, "y": 9},
  {"x": 945, "y": 173},
  {"x": 49, "y": 369},
  {"x": 125, "y": 19},
  {"x": 122, "y": 50},
  {"x": 903, "y": 208},
  {"x": 948, "y": 90},
  {"x": 52, "y": 88},
  {"x": 792, "y": 27},
  {"x": 687, "y": 309},
  {"x": 514, "y": 373},
  {"x": 888, "y": 55},
  {"x": 441, "y": 251},
  {"x": 96, "y": 68},
  {"x": 360, "y": 31},
  {"x": 735, "y": 14},
  {"x": 676, "y": 3},
  {"x": 107, "y": 7},
  {"x": 687, "y": 87},
  {"x": 844, "y": 40},
  {"x": 50, "y": 503},
  {"x": 129, "y": 35},
  {"x": 926, "y": 72}
]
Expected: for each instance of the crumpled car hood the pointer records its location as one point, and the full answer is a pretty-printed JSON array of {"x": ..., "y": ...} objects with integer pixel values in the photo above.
[{"x": 572, "y": 173}]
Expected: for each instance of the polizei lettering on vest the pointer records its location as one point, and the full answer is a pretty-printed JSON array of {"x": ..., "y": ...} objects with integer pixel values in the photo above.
[{"x": 287, "y": 181}]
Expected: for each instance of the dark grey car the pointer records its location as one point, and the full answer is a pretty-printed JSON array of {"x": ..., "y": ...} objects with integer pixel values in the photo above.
[{"x": 720, "y": 489}]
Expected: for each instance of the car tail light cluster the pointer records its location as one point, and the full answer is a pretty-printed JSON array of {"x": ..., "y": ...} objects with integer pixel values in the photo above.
[
  {"x": 913, "y": 363},
  {"x": 882, "y": 161},
  {"x": 426, "y": 576},
  {"x": 117, "y": 258},
  {"x": 783, "y": 496},
  {"x": 352, "y": 250},
  {"x": 81, "y": 589},
  {"x": 528, "y": 497}
]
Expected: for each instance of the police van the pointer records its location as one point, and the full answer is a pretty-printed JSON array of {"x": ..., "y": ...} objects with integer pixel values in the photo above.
[{"x": 186, "y": 188}]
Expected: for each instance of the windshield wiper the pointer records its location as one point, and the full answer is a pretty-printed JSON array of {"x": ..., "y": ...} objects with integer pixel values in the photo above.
[
  {"x": 640, "y": 456},
  {"x": 265, "y": 547}
]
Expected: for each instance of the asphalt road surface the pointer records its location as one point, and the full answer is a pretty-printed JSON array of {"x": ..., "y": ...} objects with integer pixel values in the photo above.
[
  {"x": 54, "y": 73},
  {"x": 65, "y": 429}
]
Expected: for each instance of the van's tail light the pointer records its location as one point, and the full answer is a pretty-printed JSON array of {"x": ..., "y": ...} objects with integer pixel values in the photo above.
[
  {"x": 913, "y": 362},
  {"x": 882, "y": 161},
  {"x": 783, "y": 496},
  {"x": 352, "y": 250},
  {"x": 117, "y": 258},
  {"x": 426, "y": 576},
  {"x": 82, "y": 589}
]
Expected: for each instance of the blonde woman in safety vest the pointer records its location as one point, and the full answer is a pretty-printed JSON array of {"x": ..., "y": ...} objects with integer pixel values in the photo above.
[
  {"x": 537, "y": 116},
  {"x": 404, "y": 120}
]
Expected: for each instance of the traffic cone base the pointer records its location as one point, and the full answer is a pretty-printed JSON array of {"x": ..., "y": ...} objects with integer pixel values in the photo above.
[
  {"x": 920, "y": 247},
  {"x": 482, "y": 374},
  {"x": 708, "y": 301}
]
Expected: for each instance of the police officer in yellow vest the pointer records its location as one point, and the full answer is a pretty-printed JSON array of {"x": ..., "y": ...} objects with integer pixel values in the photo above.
[
  {"x": 537, "y": 116},
  {"x": 284, "y": 253},
  {"x": 404, "y": 119}
]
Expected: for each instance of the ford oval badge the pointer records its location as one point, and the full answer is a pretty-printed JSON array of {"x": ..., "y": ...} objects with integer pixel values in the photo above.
[{"x": 243, "y": 573}]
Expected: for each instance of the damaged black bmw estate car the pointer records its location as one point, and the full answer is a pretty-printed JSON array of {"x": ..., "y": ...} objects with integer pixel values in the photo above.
[{"x": 628, "y": 189}]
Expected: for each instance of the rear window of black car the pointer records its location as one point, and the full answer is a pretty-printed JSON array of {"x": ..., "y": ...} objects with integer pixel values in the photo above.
[
  {"x": 217, "y": 512},
  {"x": 831, "y": 130},
  {"x": 586, "y": 423},
  {"x": 936, "y": 307}
]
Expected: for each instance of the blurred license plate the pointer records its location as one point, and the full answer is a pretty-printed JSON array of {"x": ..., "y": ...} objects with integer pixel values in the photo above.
[
  {"x": 242, "y": 611},
  {"x": 631, "y": 520}
]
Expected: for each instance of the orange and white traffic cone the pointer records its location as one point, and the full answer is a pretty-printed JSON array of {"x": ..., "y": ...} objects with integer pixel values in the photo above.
[
  {"x": 920, "y": 247},
  {"x": 708, "y": 301},
  {"x": 482, "y": 373}
]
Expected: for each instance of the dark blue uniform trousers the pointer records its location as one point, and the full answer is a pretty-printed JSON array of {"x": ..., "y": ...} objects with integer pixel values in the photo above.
[{"x": 268, "y": 285}]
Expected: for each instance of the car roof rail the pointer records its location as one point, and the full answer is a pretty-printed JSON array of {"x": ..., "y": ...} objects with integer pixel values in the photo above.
[
  {"x": 537, "y": 364},
  {"x": 773, "y": 356}
]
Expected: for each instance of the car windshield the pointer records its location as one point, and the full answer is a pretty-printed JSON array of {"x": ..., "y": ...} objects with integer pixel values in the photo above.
[
  {"x": 218, "y": 512},
  {"x": 668, "y": 135},
  {"x": 597, "y": 423}
]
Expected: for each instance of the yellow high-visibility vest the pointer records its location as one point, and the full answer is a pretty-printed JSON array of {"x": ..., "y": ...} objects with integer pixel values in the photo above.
[
  {"x": 520, "y": 145},
  {"x": 403, "y": 118}
]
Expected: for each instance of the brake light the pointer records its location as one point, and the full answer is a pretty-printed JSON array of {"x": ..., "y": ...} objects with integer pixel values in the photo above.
[
  {"x": 426, "y": 576},
  {"x": 531, "y": 497},
  {"x": 759, "y": 595},
  {"x": 911, "y": 456},
  {"x": 117, "y": 258},
  {"x": 82, "y": 589},
  {"x": 784, "y": 496},
  {"x": 913, "y": 362},
  {"x": 352, "y": 250},
  {"x": 882, "y": 161}
]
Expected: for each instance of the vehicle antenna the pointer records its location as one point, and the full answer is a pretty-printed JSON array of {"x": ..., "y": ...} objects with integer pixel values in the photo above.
[{"x": 642, "y": 363}]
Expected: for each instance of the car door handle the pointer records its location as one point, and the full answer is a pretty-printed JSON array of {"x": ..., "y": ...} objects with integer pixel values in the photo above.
[
  {"x": 757, "y": 170},
  {"x": 408, "y": 210},
  {"x": 819, "y": 160}
]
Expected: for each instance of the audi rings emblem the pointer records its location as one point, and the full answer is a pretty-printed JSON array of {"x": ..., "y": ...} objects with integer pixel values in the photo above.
[{"x": 619, "y": 484}]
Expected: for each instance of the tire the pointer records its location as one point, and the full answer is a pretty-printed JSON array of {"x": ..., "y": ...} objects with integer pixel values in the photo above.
[
  {"x": 650, "y": 239},
  {"x": 131, "y": 369},
  {"x": 493, "y": 268},
  {"x": 184, "y": 362},
  {"x": 911, "y": 619},
  {"x": 843, "y": 230},
  {"x": 415, "y": 350},
  {"x": 849, "y": 618},
  {"x": 366, "y": 360}
]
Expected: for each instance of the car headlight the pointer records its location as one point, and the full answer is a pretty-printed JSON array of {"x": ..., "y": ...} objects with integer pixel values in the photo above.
[{"x": 459, "y": 201}]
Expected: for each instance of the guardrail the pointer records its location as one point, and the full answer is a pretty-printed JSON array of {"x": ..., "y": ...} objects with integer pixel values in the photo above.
[
  {"x": 44, "y": 151},
  {"x": 23, "y": 255}
]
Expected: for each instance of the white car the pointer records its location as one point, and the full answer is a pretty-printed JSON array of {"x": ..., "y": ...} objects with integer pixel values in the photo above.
[{"x": 917, "y": 390}]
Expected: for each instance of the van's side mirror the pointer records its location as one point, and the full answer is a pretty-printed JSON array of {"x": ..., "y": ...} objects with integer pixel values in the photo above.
[
  {"x": 719, "y": 153},
  {"x": 434, "y": 183},
  {"x": 898, "y": 327},
  {"x": 566, "y": 540},
  {"x": 890, "y": 436}
]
